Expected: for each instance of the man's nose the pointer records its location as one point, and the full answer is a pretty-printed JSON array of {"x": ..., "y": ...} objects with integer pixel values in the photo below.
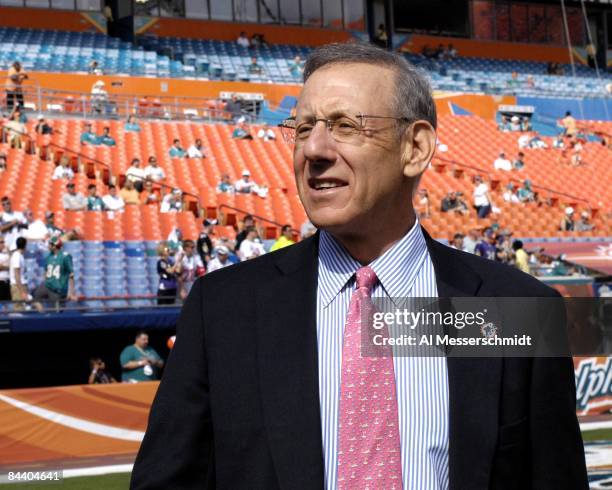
[{"x": 320, "y": 146}]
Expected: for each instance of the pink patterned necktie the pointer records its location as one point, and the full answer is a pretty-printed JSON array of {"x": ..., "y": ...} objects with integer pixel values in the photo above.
[{"x": 368, "y": 433}]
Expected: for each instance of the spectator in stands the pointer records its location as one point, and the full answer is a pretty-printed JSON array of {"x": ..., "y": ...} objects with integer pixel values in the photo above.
[
  {"x": 487, "y": 247},
  {"x": 525, "y": 123},
  {"x": 99, "y": 98},
  {"x": 63, "y": 170},
  {"x": 88, "y": 137},
  {"x": 531, "y": 140},
  {"x": 105, "y": 138},
  {"x": 140, "y": 362},
  {"x": 176, "y": 150},
  {"x": 296, "y": 68},
  {"x": 451, "y": 52},
  {"x": 504, "y": 125},
  {"x": 221, "y": 260},
  {"x": 567, "y": 221},
  {"x": 172, "y": 202},
  {"x": 515, "y": 123},
  {"x": 204, "y": 245},
  {"x": 243, "y": 40},
  {"x": 254, "y": 68},
  {"x": 241, "y": 132},
  {"x": 583, "y": 223},
  {"x": 440, "y": 52},
  {"x": 5, "y": 284},
  {"x": 167, "y": 271},
  {"x": 94, "y": 68},
  {"x": 113, "y": 202},
  {"x": 251, "y": 246},
  {"x": 568, "y": 123},
  {"x": 225, "y": 185},
  {"x": 15, "y": 130},
  {"x": 129, "y": 194},
  {"x": 521, "y": 258},
  {"x": 453, "y": 202},
  {"x": 472, "y": 239},
  {"x": 153, "y": 171},
  {"x": 423, "y": 205},
  {"x": 576, "y": 149},
  {"x": 196, "y": 150},
  {"x": 284, "y": 240},
  {"x": 135, "y": 174},
  {"x": 190, "y": 268},
  {"x": 482, "y": 199},
  {"x": 457, "y": 241},
  {"x": 246, "y": 186},
  {"x": 510, "y": 195},
  {"x": 98, "y": 374},
  {"x": 266, "y": 133},
  {"x": 94, "y": 202},
  {"x": 18, "y": 276},
  {"x": 51, "y": 228},
  {"x": 12, "y": 223},
  {"x": 42, "y": 127},
  {"x": 519, "y": 162},
  {"x": 59, "y": 276},
  {"x": 131, "y": 124},
  {"x": 247, "y": 223},
  {"x": 14, "y": 82},
  {"x": 234, "y": 108},
  {"x": 149, "y": 195},
  {"x": 502, "y": 163},
  {"x": 380, "y": 38},
  {"x": 3, "y": 164},
  {"x": 73, "y": 200}
]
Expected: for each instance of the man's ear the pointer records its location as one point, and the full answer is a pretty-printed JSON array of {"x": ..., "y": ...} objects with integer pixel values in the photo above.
[{"x": 419, "y": 145}]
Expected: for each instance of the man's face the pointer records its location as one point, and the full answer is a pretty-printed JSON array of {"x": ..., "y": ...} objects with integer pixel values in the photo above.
[
  {"x": 6, "y": 206},
  {"x": 71, "y": 190},
  {"x": 2, "y": 245},
  {"x": 367, "y": 171},
  {"x": 222, "y": 257},
  {"x": 112, "y": 191},
  {"x": 142, "y": 341},
  {"x": 92, "y": 191}
]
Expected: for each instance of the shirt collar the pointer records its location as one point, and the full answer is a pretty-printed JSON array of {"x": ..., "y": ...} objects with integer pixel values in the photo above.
[{"x": 396, "y": 269}]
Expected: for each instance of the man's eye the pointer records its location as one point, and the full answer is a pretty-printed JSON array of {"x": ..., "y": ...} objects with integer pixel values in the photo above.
[{"x": 303, "y": 129}]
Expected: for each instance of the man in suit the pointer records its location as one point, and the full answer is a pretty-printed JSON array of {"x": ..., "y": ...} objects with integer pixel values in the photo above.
[{"x": 265, "y": 388}]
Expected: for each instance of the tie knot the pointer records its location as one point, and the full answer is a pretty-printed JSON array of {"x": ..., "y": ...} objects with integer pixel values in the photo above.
[{"x": 366, "y": 278}]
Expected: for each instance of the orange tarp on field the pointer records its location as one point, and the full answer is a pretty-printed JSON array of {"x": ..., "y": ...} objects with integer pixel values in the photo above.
[{"x": 74, "y": 422}]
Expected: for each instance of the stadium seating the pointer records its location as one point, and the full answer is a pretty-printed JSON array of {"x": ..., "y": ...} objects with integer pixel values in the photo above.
[{"x": 210, "y": 59}]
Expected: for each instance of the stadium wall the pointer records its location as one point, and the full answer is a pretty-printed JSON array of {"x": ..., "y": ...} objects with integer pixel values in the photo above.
[
  {"x": 491, "y": 49},
  {"x": 44, "y": 19}
]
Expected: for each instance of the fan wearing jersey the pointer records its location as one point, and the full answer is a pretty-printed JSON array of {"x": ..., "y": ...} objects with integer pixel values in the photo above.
[
  {"x": 59, "y": 276},
  {"x": 190, "y": 268}
]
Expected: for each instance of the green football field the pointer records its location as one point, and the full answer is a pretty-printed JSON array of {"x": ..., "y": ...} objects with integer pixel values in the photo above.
[{"x": 121, "y": 481}]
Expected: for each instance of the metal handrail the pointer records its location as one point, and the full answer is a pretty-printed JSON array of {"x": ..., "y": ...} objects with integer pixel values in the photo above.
[{"x": 513, "y": 179}]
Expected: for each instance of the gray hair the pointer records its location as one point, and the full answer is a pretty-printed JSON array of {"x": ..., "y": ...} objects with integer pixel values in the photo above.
[{"x": 412, "y": 98}]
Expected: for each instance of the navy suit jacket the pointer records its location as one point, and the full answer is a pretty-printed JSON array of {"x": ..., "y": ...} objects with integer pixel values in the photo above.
[{"x": 238, "y": 405}]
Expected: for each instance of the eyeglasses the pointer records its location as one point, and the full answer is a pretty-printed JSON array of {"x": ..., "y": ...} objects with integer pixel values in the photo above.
[{"x": 343, "y": 129}]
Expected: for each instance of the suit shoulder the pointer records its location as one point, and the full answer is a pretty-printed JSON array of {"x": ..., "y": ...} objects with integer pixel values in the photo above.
[{"x": 501, "y": 279}]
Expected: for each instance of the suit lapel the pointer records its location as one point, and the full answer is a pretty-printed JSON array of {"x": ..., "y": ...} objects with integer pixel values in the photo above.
[
  {"x": 474, "y": 385},
  {"x": 288, "y": 367}
]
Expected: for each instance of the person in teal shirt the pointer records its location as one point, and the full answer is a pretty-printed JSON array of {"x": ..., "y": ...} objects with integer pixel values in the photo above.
[
  {"x": 88, "y": 137},
  {"x": 139, "y": 361},
  {"x": 176, "y": 150},
  {"x": 59, "y": 276},
  {"x": 94, "y": 202},
  {"x": 106, "y": 138},
  {"x": 131, "y": 124}
]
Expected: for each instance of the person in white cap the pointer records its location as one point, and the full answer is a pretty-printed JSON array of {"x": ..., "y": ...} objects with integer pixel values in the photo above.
[
  {"x": 99, "y": 97},
  {"x": 221, "y": 260},
  {"x": 583, "y": 223},
  {"x": 266, "y": 133},
  {"x": 502, "y": 163},
  {"x": 246, "y": 186},
  {"x": 567, "y": 222}
]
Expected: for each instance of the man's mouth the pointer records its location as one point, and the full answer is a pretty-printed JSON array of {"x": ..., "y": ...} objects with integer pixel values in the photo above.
[{"x": 319, "y": 184}]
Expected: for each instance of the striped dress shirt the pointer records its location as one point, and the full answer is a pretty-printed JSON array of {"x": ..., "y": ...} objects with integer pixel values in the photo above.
[{"x": 405, "y": 270}]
